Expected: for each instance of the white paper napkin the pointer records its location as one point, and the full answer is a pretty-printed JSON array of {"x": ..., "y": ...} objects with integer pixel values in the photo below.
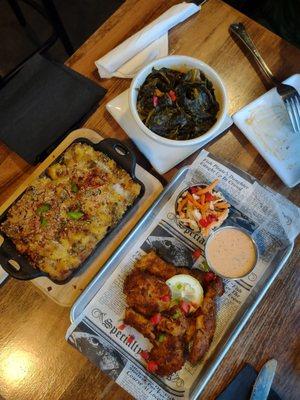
[{"x": 151, "y": 42}]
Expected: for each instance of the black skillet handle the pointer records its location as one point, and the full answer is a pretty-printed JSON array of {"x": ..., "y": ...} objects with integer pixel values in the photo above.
[
  {"x": 9, "y": 257},
  {"x": 120, "y": 153}
]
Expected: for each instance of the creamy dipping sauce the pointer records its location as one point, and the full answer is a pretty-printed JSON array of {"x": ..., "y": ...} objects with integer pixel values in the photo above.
[{"x": 231, "y": 252}]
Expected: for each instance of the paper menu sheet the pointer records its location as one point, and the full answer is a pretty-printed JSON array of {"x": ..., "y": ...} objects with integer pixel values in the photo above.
[{"x": 272, "y": 220}]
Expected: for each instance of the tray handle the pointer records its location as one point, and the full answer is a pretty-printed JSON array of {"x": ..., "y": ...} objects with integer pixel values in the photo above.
[
  {"x": 119, "y": 152},
  {"x": 15, "y": 266}
]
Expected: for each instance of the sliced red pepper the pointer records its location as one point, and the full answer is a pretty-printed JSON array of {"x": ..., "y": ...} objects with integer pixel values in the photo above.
[
  {"x": 193, "y": 190},
  {"x": 130, "y": 339},
  {"x": 144, "y": 354},
  {"x": 155, "y": 101},
  {"x": 211, "y": 217},
  {"x": 185, "y": 307},
  {"x": 209, "y": 277},
  {"x": 197, "y": 253},
  {"x": 155, "y": 319},
  {"x": 121, "y": 327},
  {"x": 203, "y": 222},
  {"x": 152, "y": 366},
  {"x": 166, "y": 298},
  {"x": 209, "y": 197},
  {"x": 172, "y": 94}
]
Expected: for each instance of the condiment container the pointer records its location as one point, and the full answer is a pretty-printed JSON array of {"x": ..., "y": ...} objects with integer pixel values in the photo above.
[{"x": 234, "y": 240}]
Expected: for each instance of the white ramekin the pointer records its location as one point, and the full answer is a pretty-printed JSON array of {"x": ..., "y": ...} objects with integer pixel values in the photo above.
[{"x": 176, "y": 62}]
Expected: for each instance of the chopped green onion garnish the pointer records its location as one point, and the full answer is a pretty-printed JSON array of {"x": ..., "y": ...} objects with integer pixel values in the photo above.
[
  {"x": 176, "y": 315},
  {"x": 43, "y": 208},
  {"x": 174, "y": 302},
  {"x": 44, "y": 222},
  {"x": 161, "y": 337},
  {"x": 205, "y": 266},
  {"x": 74, "y": 187},
  {"x": 75, "y": 214}
]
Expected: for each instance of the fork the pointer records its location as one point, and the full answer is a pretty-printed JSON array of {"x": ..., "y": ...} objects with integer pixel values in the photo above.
[{"x": 289, "y": 94}]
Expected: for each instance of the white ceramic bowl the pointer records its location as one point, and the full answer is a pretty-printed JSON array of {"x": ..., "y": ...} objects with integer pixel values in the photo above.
[{"x": 177, "y": 62}]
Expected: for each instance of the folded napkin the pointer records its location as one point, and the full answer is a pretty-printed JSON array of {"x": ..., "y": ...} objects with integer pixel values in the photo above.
[
  {"x": 150, "y": 43},
  {"x": 41, "y": 103},
  {"x": 240, "y": 387}
]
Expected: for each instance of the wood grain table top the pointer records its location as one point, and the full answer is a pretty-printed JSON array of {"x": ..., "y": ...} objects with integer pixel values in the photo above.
[{"x": 35, "y": 360}]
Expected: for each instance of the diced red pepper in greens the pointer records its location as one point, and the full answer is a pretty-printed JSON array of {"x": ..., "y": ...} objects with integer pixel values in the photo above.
[
  {"x": 172, "y": 94},
  {"x": 155, "y": 101}
]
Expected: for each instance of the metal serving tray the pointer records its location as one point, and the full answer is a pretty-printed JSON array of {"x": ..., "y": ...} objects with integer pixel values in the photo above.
[
  {"x": 16, "y": 264},
  {"x": 242, "y": 316}
]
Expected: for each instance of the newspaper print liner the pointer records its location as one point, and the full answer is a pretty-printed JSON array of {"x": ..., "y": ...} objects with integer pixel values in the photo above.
[{"x": 158, "y": 229}]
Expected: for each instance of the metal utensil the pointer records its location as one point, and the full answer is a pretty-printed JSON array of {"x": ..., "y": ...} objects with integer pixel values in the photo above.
[
  {"x": 289, "y": 94},
  {"x": 263, "y": 382}
]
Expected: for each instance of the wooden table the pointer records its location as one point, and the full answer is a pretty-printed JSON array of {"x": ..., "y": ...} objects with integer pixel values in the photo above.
[{"x": 35, "y": 361}]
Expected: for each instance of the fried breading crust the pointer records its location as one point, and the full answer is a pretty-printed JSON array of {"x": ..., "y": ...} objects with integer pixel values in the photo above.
[
  {"x": 144, "y": 293},
  {"x": 205, "y": 325},
  {"x": 170, "y": 332},
  {"x": 173, "y": 322},
  {"x": 140, "y": 323},
  {"x": 169, "y": 355},
  {"x": 153, "y": 264},
  {"x": 196, "y": 273}
]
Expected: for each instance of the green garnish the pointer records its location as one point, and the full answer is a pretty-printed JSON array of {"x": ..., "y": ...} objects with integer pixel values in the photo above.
[
  {"x": 174, "y": 302},
  {"x": 74, "y": 187},
  {"x": 161, "y": 337},
  {"x": 179, "y": 286},
  {"x": 44, "y": 222},
  {"x": 43, "y": 208},
  {"x": 176, "y": 315},
  {"x": 205, "y": 266},
  {"x": 75, "y": 214}
]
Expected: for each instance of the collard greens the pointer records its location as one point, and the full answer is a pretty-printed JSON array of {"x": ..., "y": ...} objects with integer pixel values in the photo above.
[{"x": 177, "y": 105}]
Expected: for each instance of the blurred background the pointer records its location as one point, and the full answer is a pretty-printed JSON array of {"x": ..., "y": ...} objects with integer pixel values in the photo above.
[
  {"x": 79, "y": 18},
  {"x": 23, "y": 27}
]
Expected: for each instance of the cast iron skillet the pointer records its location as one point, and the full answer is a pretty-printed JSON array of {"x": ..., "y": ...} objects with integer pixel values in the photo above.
[{"x": 19, "y": 267}]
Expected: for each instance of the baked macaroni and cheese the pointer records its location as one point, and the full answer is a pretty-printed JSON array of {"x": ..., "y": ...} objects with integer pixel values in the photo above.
[{"x": 64, "y": 213}]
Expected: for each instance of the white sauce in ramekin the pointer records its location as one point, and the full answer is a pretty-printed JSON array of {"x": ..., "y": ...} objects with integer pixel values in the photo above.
[{"x": 231, "y": 253}]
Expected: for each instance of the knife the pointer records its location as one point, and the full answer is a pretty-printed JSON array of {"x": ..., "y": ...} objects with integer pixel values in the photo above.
[{"x": 263, "y": 382}]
